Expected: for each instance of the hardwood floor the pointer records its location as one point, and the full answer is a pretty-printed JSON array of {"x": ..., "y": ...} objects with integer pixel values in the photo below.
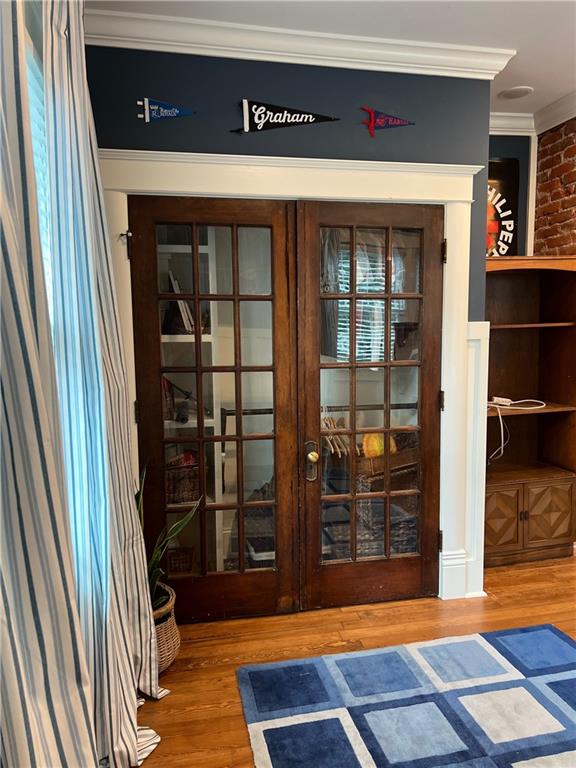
[{"x": 201, "y": 722}]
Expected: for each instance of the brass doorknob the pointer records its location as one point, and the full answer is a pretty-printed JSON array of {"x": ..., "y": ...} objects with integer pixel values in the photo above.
[{"x": 313, "y": 457}]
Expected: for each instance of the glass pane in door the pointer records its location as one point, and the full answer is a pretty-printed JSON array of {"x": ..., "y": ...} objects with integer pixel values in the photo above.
[
  {"x": 222, "y": 540},
  {"x": 255, "y": 260},
  {"x": 184, "y": 554},
  {"x": 370, "y": 330},
  {"x": 334, "y": 260},
  {"x": 214, "y": 338},
  {"x": 371, "y": 260},
  {"x": 180, "y": 404},
  {"x": 175, "y": 262},
  {"x": 336, "y": 539},
  {"x": 256, "y": 332},
  {"x": 215, "y": 259},
  {"x": 260, "y": 537},
  {"x": 218, "y": 346},
  {"x": 404, "y": 396},
  {"x": 370, "y": 397},
  {"x": 405, "y": 525},
  {"x": 369, "y": 466},
  {"x": 335, "y": 331},
  {"x": 405, "y": 329},
  {"x": 406, "y": 254}
]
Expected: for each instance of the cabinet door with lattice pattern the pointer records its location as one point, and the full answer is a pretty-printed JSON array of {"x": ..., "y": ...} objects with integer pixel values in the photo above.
[
  {"x": 503, "y": 529},
  {"x": 550, "y": 518}
]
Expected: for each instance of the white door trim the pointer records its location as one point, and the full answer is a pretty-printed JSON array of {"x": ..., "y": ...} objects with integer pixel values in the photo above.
[{"x": 462, "y": 433}]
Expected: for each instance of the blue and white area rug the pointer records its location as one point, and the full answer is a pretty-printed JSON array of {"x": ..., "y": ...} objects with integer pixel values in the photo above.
[{"x": 502, "y": 699}]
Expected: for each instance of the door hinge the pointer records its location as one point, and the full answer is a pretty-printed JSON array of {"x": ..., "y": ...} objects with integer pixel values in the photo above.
[
  {"x": 444, "y": 251},
  {"x": 440, "y": 541},
  {"x": 136, "y": 412},
  {"x": 127, "y": 238},
  {"x": 441, "y": 399}
]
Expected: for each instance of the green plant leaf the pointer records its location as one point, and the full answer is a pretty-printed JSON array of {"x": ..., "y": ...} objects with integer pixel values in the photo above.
[
  {"x": 159, "y": 602},
  {"x": 162, "y": 542},
  {"x": 179, "y": 525},
  {"x": 153, "y": 578}
]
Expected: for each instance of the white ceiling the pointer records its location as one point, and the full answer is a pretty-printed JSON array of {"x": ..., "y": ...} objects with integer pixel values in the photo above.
[{"x": 543, "y": 32}]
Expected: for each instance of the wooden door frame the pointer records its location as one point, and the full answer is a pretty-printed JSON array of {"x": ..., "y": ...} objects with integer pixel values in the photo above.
[{"x": 465, "y": 343}]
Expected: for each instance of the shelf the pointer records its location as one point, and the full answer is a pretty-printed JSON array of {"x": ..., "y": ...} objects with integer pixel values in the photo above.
[
  {"x": 180, "y": 248},
  {"x": 186, "y": 338},
  {"x": 500, "y": 474},
  {"x": 521, "y": 326},
  {"x": 506, "y": 263},
  {"x": 550, "y": 408},
  {"x": 208, "y": 422}
]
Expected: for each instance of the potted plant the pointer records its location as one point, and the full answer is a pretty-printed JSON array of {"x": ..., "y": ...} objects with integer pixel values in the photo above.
[{"x": 162, "y": 596}]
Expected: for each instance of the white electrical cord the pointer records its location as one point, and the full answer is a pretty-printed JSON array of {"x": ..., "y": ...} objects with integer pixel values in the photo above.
[
  {"x": 503, "y": 403},
  {"x": 499, "y": 452}
]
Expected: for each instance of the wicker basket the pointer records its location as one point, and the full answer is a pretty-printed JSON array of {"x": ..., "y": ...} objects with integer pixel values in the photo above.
[
  {"x": 167, "y": 633},
  {"x": 182, "y": 484}
]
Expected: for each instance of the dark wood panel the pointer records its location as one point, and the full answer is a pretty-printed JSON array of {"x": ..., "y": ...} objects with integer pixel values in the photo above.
[
  {"x": 558, "y": 366},
  {"x": 523, "y": 445},
  {"x": 513, "y": 365},
  {"x": 513, "y": 298},
  {"x": 512, "y": 474},
  {"x": 503, "y": 528},
  {"x": 558, "y": 296},
  {"x": 494, "y": 559},
  {"x": 558, "y": 441},
  {"x": 370, "y": 582},
  {"x": 228, "y": 595},
  {"x": 550, "y": 511}
]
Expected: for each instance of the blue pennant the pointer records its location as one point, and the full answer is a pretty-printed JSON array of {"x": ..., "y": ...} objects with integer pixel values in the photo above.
[{"x": 160, "y": 110}]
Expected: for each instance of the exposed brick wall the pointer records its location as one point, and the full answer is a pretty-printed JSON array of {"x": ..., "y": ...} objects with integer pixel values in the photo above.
[{"x": 555, "y": 224}]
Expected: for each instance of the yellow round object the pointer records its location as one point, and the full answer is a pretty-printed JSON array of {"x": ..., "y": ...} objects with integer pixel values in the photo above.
[{"x": 373, "y": 445}]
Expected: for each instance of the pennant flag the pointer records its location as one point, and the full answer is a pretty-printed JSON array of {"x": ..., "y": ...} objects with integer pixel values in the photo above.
[
  {"x": 160, "y": 110},
  {"x": 264, "y": 117},
  {"x": 377, "y": 121}
]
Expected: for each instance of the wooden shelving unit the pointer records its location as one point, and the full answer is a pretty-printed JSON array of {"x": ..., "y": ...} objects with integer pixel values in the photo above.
[
  {"x": 530, "y": 491},
  {"x": 524, "y": 326},
  {"x": 549, "y": 408}
]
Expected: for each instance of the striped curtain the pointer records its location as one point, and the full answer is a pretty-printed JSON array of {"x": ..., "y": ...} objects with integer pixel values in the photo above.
[{"x": 84, "y": 553}]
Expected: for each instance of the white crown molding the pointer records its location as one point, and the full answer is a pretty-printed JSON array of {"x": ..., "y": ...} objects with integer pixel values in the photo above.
[
  {"x": 265, "y": 161},
  {"x": 511, "y": 124},
  {"x": 243, "y": 41},
  {"x": 556, "y": 113}
]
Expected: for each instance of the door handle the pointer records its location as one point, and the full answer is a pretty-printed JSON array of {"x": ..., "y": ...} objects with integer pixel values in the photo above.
[{"x": 312, "y": 459}]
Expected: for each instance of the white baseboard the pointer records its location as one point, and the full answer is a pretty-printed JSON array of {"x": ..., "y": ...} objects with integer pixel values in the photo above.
[{"x": 452, "y": 574}]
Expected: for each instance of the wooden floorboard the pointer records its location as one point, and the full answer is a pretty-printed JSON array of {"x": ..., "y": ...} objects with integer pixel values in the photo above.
[{"x": 201, "y": 722}]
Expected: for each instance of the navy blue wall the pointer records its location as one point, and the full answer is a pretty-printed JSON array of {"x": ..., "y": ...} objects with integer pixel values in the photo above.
[
  {"x": 450, "y": 114},
  {"x": 516, "y": 147}
]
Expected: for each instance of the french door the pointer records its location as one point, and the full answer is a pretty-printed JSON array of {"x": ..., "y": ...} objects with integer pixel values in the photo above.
[
  {"x": 370, "y": 309},
  {"x": 288, "y": 374}
]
